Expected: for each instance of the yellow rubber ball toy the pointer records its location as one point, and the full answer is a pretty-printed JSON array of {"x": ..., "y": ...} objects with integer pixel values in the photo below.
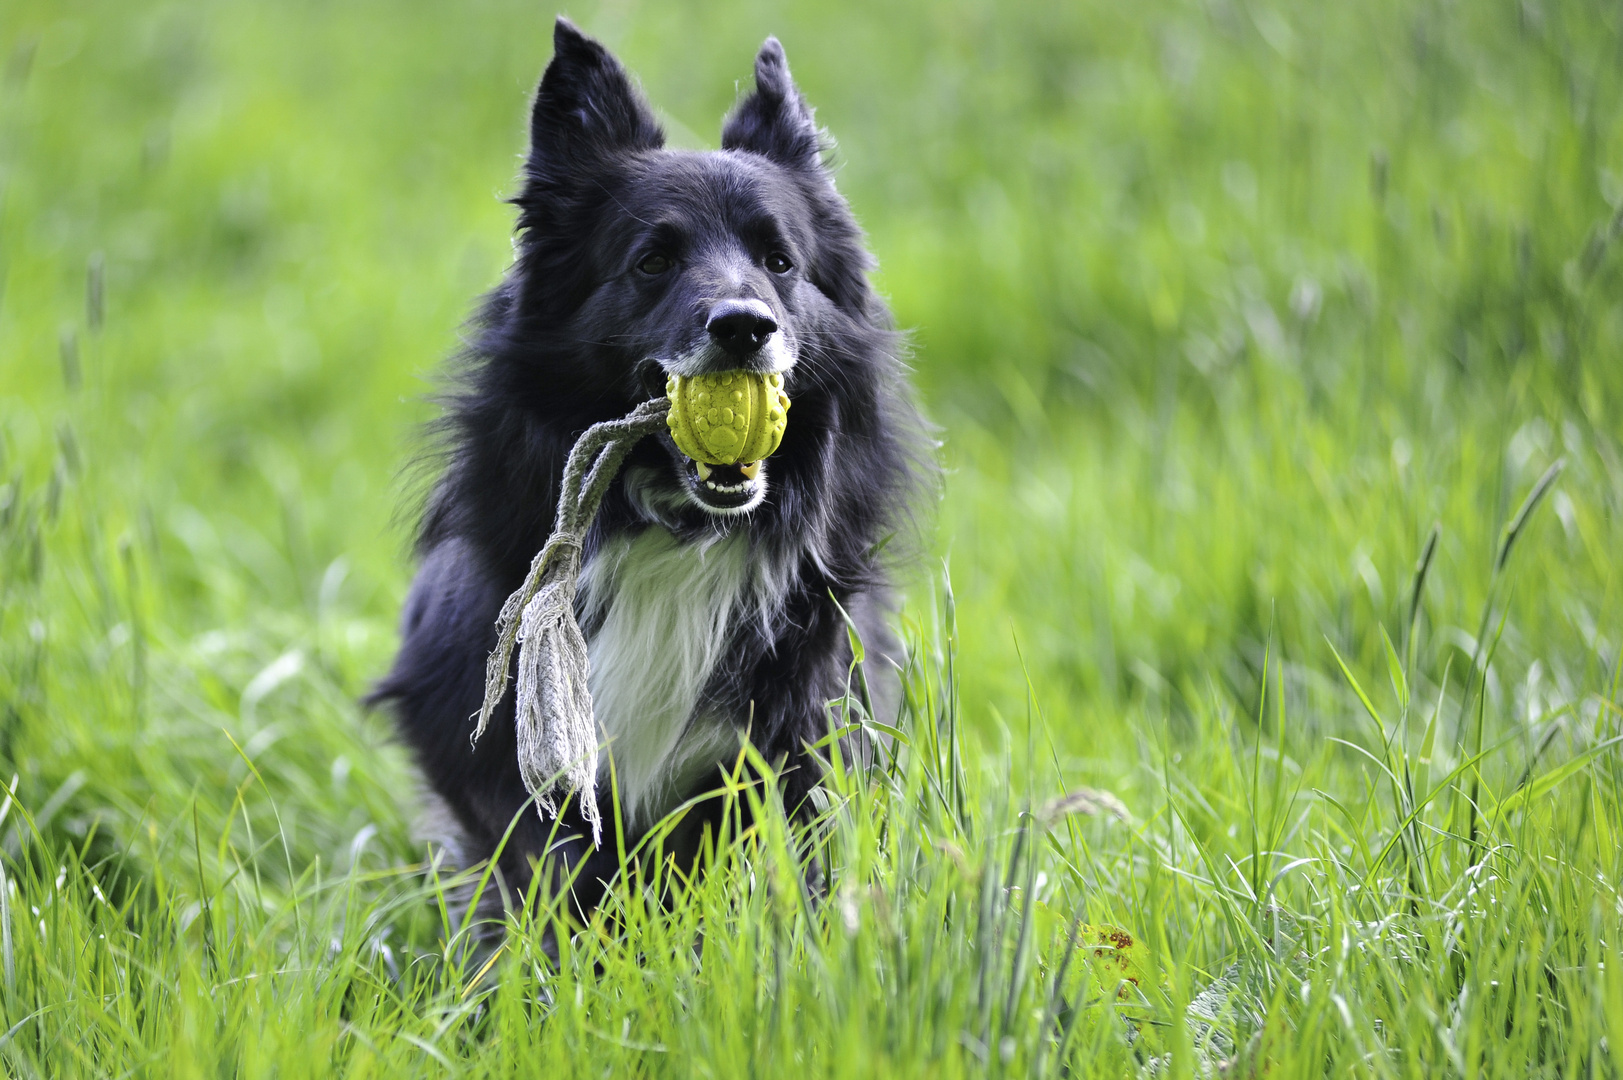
[{"x": 727, "y": 417}]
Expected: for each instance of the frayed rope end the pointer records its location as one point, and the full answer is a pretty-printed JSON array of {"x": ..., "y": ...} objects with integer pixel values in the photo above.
[{"x": 555, "y": 727}]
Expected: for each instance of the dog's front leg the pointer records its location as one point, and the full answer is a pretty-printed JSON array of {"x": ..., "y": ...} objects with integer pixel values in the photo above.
[{"x": 807, "y": 666}]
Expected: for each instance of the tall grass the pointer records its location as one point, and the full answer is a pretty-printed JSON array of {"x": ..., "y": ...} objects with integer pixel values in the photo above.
[
  {"x": 1432, "y": 922},
  {"x": 1257, "y": 335}
]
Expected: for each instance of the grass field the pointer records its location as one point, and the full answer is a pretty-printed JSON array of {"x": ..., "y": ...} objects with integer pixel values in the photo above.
[{"x": 1277, "y": 353}]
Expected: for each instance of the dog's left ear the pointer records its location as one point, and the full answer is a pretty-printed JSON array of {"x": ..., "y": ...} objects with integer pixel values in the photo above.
[{"x": 775, "y": 121}]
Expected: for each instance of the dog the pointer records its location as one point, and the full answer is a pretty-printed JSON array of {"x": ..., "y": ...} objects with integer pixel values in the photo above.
[{"x": 715, "y": 600}]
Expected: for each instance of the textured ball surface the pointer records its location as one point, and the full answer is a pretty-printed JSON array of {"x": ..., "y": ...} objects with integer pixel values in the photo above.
[{"x": 727, "y": 417}]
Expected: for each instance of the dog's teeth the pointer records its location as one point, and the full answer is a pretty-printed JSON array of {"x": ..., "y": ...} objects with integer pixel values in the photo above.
[
  {"x": 704, "y": 470},
  {"x": 750, "y": 471}
]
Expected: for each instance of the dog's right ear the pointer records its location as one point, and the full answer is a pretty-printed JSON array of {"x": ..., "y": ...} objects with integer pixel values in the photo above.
[{"x": 586, "y": 107}]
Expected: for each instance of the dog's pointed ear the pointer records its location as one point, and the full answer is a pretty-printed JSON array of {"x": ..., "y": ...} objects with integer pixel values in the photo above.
[
  {"x": 775, "y": 121},
  {"x": 586, "y": 104}
]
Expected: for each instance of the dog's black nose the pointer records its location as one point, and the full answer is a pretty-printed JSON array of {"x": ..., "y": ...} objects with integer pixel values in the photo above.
[{"x": 741, "y": 326}]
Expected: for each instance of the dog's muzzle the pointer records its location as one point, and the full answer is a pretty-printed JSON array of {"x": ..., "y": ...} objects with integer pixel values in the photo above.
[
  {"x": 739, "y": 335},
  {"x": 741, "y": 327}
]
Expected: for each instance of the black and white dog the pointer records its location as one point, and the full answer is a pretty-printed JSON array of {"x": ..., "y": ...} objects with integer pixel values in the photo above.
[{"x": 711, "y": 598}]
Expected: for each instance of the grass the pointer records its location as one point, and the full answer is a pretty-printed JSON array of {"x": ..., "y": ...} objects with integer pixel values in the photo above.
[{"x": 1252, "y": 332}]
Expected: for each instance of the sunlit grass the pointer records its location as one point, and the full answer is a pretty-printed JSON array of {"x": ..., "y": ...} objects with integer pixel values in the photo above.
[{"x": 1430, "y": 921}]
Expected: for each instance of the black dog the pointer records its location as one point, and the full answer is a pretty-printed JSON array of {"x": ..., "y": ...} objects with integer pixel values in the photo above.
[{"x": 711, "y": 598}]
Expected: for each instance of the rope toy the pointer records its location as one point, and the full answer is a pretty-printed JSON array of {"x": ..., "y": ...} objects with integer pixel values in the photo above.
[{"x": 717, "y": 418}]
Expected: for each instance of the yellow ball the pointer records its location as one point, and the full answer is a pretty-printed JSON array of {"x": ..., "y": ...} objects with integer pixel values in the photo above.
[{"x": 727, "y": 417}]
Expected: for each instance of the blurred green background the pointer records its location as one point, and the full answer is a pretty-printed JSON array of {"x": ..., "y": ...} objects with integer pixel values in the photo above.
[{"x": 1219, "y": 306}]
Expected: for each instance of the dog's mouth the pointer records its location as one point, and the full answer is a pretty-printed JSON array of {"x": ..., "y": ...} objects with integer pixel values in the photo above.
[
  {"x": 725, "y": 489},
  {"x": 721, "y": 489}
]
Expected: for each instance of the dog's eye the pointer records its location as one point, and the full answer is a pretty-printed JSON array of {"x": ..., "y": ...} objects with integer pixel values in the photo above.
[
  {"x": 655, "y": 264},
  {"x": 779, "y": 263}
]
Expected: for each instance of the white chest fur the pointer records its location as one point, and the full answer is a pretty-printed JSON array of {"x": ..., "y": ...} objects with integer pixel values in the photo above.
[{"x": 664, "y": 612}]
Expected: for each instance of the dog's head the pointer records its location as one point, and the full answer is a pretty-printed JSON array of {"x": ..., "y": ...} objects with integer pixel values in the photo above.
[{"x": 636, "y": 262}]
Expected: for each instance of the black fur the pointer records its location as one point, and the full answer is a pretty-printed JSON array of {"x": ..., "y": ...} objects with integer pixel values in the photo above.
[{"x": 574, "y": 335}]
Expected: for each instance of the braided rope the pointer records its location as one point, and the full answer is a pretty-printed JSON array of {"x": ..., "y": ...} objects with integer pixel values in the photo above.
[{"x": 557, "y": 734}]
